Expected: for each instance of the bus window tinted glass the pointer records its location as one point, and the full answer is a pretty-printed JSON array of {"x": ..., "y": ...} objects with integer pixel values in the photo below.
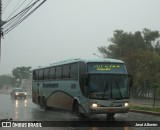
[
  {"x": 40, "y": 74},
  {"x": 82, "y": 72},
  {"x": 65, "y": 73},
  {"x": 58, "y": 72},
  {"x": 46, "y": 73},
  {"x": 74, "y": 71},
  {"x": 82, "y": 69},
  {"x": 36, "y": 74},
  {"x": 108, "y": 86},
  {"x": 52, "y": 73}
]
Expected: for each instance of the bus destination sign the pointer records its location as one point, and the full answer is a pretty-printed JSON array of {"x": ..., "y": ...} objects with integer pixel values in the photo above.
[{"x": 106, "y": 67}]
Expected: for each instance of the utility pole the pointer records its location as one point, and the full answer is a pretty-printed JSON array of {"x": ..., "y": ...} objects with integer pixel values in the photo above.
[{"x": 1, "y": 33}]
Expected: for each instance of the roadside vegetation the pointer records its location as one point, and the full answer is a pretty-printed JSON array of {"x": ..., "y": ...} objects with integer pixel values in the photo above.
[
  {"x": 155, "y": 109},
  {"x": 18, "y": 74},
  {"x": 140, "y": 51}
]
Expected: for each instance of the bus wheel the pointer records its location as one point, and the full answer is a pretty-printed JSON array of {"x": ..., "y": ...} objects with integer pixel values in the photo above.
[
  {"x": 44, "y": 104},
  {"x": 39, "y": 100},
  {"x": 110, "y": 116},
  {"x": 76, "y": 109}
]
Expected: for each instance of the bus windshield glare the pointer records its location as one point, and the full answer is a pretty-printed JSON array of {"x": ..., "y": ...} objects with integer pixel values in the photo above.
[{"x": 108, "y": 86}]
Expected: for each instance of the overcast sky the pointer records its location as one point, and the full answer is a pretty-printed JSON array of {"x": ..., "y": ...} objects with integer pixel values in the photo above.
[{"x": 65, "y": 29}]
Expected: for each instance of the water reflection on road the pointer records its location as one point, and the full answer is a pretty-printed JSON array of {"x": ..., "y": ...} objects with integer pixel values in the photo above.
[
  {"x": 25, "y": 110},
  {"x": 20, "y": 107},
  {"x": 20, "y": 102}
]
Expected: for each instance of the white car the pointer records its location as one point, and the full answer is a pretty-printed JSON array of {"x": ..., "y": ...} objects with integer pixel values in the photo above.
[{"x": 18, "y": 92}]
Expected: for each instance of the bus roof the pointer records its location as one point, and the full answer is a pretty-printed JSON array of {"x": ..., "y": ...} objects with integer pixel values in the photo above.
[{"x": 82, "y": 60}]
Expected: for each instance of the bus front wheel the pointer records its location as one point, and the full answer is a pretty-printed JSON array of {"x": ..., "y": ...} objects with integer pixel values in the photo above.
[
  {"x": 43, "y": 104},
  {"x": 76, "y": 109}
]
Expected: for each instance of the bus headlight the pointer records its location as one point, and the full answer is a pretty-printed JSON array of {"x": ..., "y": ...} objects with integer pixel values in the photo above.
[
  {"x": 94, "y": 105},
  {"x": 16, "y": 93},
  {"x": 126, "y": 104},
  {"x": 25, "y": 93}
]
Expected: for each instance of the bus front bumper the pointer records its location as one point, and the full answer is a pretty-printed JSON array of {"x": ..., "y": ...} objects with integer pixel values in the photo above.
[{"x": 102, "y": 110}]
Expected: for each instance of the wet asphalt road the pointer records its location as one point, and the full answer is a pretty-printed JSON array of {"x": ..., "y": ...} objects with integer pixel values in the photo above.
[{"x": 25, "y": 110}]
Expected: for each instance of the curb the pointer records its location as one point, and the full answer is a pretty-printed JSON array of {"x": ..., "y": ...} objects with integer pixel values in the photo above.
[{"x": 145, "y": 112}]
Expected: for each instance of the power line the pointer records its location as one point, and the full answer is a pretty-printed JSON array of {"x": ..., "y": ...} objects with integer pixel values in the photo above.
[
  {"x": 8, "y": 2},
  {"x": 15, "y": 9},
  {"x": 14, "y": 21},
  {"x": 24, "y": 17},
  {"x": 8, "y": 20},
  {"x": 17, "y": 17}
]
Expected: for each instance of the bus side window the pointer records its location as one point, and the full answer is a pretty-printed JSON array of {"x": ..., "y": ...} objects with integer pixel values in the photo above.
[
  {"x": 41, "y": 76},
  {"x": 58, "y": 72},
  {"x": 86, "y": 85},
  {"x": 46, "y": 74},
  {"x": 74, "y": 71},
  {"x": 34, "y": 75},
  {"x": 52, "y": 73},
  {"x": 65, "y": 72},
  {"x": 82, "y": 78}
]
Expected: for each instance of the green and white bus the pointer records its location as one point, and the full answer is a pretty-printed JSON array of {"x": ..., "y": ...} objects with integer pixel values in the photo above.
[{"x": 83, "y": 86}]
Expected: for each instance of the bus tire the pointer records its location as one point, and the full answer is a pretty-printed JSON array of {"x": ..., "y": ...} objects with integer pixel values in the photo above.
[
  {"x": 76, "y": 109},
  {"x": 39, "y": 100},
  {"x": 44, "y": 104}
]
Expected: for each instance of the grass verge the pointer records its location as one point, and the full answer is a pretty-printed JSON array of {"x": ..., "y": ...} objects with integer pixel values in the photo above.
[{"x": 145, "y": 108}]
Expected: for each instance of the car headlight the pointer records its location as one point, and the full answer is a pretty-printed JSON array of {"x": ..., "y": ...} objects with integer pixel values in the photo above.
[
  {"x": 94, "y": 105},
  {"x": 16, "y": 93},
  {"x": 126, "y": 104}
]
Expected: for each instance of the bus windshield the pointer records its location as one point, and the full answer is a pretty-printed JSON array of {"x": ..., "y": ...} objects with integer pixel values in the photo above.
[{"x": 108, "y": 86}]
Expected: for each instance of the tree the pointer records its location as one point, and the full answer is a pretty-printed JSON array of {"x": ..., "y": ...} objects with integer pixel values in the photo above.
[
  {"x": 21, "y": 73},
  {"x": 141, "y": 53},
  {"x": 5, "y": 80},
  {"x": 150, "y": 38}
]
